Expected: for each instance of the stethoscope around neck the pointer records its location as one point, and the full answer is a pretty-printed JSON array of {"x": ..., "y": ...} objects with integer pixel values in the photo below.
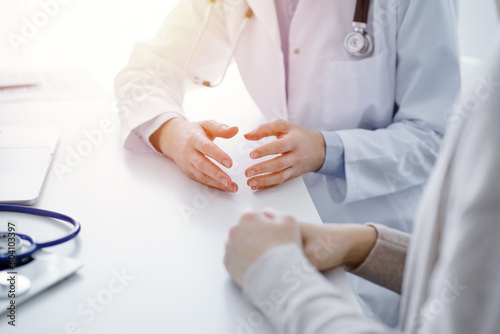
[{"x": 358, "y": 43}]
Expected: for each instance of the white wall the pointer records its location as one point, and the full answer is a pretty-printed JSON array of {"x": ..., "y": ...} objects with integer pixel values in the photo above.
[{"x": 96, "y": 34}]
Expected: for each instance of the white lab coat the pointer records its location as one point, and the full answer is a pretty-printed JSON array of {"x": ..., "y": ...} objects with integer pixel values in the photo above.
[{"x": 389, "y": 109}]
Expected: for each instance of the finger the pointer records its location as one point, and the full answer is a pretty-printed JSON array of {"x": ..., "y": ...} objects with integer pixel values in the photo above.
[
  {"x": 270, "y": 166},
  {"x": 269, "y": 215},
  {"x": 270, "y": 180},
  {"x": 207, "y": 167},
  {"x": 248, "y": 214},
  {"x": 275, "y": 147},
  {"x": 275, "y": 128},
  {"x": 216, "y": 129},
  {"x": 277, "y": 216},
  {"x": 205, "y": 180},
  {"x": 233, "y": 187},
  {"x": 208, "y": 148},
  {"x": 272, "y": 213},
  {"x": 210, "y": 182}
]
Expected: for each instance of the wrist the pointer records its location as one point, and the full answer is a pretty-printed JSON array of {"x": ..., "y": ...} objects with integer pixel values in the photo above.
[
  {"x": 363, "y": 238},
  {"x": 320, "y": 148},
  {"x": 161, "y": 139}
]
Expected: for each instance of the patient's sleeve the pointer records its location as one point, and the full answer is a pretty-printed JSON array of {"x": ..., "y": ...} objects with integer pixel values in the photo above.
[{"x": 386, "y": 262}]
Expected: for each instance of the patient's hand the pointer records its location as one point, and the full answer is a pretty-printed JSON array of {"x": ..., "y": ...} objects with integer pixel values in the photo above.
[
  {"x": 330, "y": 246},
  {"x": 255, "y": 234},
  {"x": 326, "y": 246},
  {"x": 190, "y": 144}
]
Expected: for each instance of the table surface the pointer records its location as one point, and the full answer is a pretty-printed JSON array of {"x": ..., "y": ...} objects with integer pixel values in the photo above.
[{"x": 143, "y": 218}]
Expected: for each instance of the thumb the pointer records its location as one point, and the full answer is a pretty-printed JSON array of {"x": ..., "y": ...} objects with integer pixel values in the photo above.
[{"x": 215, "y": 129}]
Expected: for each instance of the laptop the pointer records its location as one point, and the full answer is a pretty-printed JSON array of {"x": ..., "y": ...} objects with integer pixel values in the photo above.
[{"x": 25, "y": 157}]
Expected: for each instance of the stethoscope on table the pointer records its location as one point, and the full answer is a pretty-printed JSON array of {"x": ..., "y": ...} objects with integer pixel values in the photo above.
[
  {"x": 16, "y": 249},
  {"x": 357, "y": 43}
]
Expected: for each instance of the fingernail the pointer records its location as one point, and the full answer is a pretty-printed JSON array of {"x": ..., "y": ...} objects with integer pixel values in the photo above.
[
  {"x": 253, "y": 184},
  {"x": 251, "y": 173},
  {"x": 226, "y": 163},
  {"x": 225, "y": 127},
  {"x": 254, "y": 155},
  {"x": 232, "y": 188},
  {"x": 254, "y": 188},
  {"x": 223, "y": 180}
]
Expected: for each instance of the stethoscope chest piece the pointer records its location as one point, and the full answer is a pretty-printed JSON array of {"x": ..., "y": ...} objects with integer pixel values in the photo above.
[
  {"x": 6, "y": 239},
  {"x": 358, "y": 43}
]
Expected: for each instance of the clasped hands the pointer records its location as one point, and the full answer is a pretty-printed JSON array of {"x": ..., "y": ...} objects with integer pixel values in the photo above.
[
  {"x": 190, "y": 145},
  {"x": 326, "y": 246}
]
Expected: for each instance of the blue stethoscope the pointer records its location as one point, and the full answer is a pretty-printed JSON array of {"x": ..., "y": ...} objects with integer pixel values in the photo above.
[
  {"x": 17, "y": 249},
  {"x": 358, "y": 43}
]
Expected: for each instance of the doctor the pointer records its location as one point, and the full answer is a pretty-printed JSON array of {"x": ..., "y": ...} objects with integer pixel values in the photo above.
[{"x": 369, "y": 125}]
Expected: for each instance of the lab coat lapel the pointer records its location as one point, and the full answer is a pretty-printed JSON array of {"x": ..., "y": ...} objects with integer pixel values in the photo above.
[
  {"x": 265, "y": 12},
  {"x": 263, "y": 72}
]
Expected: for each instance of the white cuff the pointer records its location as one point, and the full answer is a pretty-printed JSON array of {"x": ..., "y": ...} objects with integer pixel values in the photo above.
[{"x": 145, "y": 130}]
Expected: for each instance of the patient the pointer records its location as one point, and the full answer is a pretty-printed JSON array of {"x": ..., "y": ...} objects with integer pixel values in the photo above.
[{"x": 448, "y": 272}]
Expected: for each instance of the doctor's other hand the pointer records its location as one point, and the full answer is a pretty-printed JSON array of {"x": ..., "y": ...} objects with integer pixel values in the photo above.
[
  {"x": 190, "y": 144},
  {"x": 300, "y": 151},
  {"x": 254, "y": 235},
  {"x": 330, "y": 246}
]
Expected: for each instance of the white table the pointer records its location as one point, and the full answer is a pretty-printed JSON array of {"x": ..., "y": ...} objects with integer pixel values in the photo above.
[{"x": 141, "y": 215}]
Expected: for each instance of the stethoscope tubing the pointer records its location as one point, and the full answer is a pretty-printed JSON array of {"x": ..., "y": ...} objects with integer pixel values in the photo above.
[
  {"x": 361, "y": 12},
  {"x": 208, "y": 13},
  {"x": 45, "y": 213}
]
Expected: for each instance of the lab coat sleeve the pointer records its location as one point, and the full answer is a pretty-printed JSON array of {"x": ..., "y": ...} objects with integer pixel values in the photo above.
[
  {"x": 334, "y": 155},
  {"x": 387, "y": 160},
  {"x": 146, "y": 129},
  {"x": 152, "y": 85}
]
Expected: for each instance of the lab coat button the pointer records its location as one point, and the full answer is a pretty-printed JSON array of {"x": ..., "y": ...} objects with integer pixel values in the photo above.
[{"x": 296, "y": 51}]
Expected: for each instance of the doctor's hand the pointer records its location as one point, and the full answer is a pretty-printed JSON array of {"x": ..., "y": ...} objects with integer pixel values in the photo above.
[
  {"x": 255, "y": 234},
  {"x": 301, "y": 151},
  {"x": 190, "y": 144},
  {"x": 330, "y": 246}
]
